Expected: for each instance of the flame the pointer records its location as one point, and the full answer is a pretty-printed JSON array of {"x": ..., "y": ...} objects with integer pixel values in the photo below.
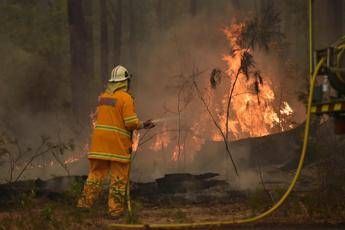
[
  {"x": 135, "y": 140},
  {"x": 75, "y": 157},
  {"x": 286, "y": 109},
  {"x": 252, "y": 113},
  {"x": 176, "y": 153},
  {"x": 162, "y": 140}
]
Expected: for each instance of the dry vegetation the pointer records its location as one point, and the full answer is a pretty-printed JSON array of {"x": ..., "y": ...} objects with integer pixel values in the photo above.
[{"x": 33, "y": 208}]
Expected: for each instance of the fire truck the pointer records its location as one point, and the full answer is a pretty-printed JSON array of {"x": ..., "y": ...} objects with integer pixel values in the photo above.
[{"x": 329, "y": 92}]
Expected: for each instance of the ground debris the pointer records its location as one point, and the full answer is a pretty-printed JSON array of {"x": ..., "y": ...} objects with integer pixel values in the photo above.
[{"x": 185, "y": 188}]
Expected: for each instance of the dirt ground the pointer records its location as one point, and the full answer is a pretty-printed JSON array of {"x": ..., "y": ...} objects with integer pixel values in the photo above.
[
  {"x": 30, "y": 206},
  {"x": 59, "y": 214}
]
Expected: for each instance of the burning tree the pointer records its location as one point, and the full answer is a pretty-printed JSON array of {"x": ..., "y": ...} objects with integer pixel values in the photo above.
[
  {"x": 248, "y": 94},
  {"x": 245, "y": 68},
  {"x": 239, "y": 100}
]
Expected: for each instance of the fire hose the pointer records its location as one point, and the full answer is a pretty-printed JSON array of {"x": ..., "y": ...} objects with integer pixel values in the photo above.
[
  {"x": 128, "y": 197},
  {"x": 250, "y": 219}
]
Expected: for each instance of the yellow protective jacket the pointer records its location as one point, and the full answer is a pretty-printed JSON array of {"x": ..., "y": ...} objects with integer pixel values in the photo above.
[{"x": 115, "y": 120}]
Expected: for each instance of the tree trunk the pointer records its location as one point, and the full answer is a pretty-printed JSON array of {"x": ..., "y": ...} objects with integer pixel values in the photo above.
[
  {"x": 78, "y": 51},
  {"x": 104, "y": 41},
  {"x": 117, "y": 32},
  {"x": 133, "y": 38},
  {"x": 90, "y": 54},
  {"x": 160, "y": 15},
  {"x": 89, "y": 35},
  {"x": 193, "y": 7}
]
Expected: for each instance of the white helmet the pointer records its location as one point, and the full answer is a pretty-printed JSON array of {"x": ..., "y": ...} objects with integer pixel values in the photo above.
[{"x": 119, "y": 73}]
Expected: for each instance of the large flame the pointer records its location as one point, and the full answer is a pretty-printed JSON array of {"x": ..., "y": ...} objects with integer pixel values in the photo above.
[{"x": 252, "y": 113}]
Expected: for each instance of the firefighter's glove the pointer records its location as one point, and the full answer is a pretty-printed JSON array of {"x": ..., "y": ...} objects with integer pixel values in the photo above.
[{"x": 148, "y": 124}]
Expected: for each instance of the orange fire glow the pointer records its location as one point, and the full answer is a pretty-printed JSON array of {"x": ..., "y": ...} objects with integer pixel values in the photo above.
[
  {"x": 162, "y": 140},
  {"x": 135, "y": 139},
  {"x": 252, "y": 114}
]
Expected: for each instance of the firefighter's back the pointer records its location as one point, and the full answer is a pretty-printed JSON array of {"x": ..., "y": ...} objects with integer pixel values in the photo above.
[{"x": 110, "y": 138}]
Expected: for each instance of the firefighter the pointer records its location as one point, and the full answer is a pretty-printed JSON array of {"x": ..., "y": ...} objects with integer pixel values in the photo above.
[{"x": 111, "y": 143}]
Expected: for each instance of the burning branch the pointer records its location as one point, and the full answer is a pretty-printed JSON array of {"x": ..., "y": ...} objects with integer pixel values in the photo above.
[
  {"x": 229, "y": 103},
  {"x": 227, "y": 148},
  {"x": 247, "y": 63},
  {"x": 243, "y": 38},
  {"x": 184, "y": 95}
]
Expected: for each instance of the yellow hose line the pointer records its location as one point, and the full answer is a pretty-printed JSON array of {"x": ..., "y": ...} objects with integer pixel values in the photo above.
[
  {"x": 339, "y": 41},
  {"x": 341, "y": 46},
  {"x": 251, "y": 219},
  {"x": 128, "y": 189}
]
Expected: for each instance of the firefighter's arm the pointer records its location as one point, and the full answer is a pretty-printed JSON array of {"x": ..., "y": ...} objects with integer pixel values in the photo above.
[{"x": 130, "y": 117}]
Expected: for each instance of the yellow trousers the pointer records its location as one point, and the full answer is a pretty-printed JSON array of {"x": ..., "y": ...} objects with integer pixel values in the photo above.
[{"x": 99, "y": 171}]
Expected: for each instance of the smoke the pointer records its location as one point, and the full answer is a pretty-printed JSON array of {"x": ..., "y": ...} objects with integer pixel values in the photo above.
[
  {"x": 34, "y": 105},
  {"x": 166, "y": 60},
  {"x": 169, "y": 58},
  {"x": 35, "y": 99}
]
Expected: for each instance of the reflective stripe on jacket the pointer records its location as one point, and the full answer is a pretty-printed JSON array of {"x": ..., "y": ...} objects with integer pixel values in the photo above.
[{"x": 116, "y": 119}]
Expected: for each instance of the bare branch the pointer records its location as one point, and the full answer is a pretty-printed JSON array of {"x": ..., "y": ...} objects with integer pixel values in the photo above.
[
  {"x": 38, "y": 153},
  {"x": 216, "y": 124},
  {"x": 229, "y": 103},
  {"x": 259, "y": 170},
  {"x": 61, "y": 163}
]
